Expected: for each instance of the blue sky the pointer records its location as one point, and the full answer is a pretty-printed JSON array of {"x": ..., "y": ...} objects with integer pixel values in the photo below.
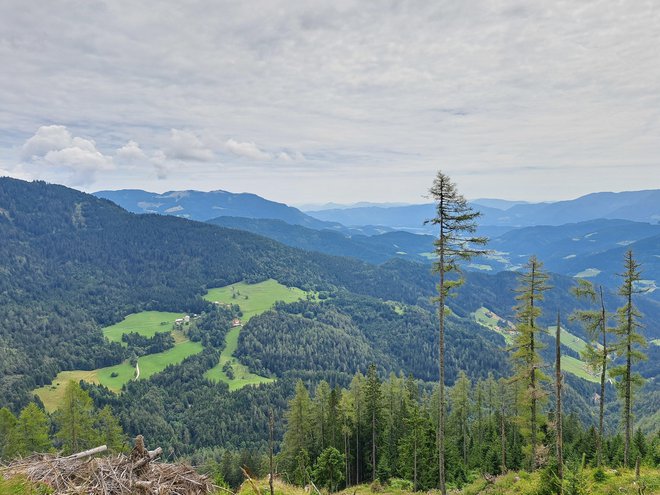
[{"x": 304, "y": 101}]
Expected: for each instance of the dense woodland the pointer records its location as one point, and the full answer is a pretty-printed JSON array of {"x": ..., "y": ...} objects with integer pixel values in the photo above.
[{"x": 71, "y": 263}]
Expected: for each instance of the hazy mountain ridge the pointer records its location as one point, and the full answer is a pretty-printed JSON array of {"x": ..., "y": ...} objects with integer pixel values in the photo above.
[{"x": 202, "y": 206}]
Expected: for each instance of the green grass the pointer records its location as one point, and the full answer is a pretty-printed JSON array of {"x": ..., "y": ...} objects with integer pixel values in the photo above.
[
  {"x": 568, "y": 339},
  {"x": 146, "y": 323},
  {"x": 253, "y": 299},
  {"x": 21, "y": 486},
  {"x": 52, "y": 395},
  {"x": 155, "y": 363},
  {"x": 569, "y": 364},
  {"x": 490, "y": 320}
]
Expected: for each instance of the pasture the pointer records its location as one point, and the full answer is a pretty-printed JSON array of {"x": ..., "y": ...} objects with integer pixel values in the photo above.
[
  {"x": 146, "y": 323},
  {"x": 253, "y": 299}
]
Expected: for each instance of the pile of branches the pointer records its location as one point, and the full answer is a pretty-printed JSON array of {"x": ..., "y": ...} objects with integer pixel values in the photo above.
[{"x": 138, "y": 473}]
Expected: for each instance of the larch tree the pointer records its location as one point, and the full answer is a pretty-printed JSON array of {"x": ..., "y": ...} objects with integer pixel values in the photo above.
[
  {"x": 75, "y": 419},
  {"x": 456, "y": 242},
  {"x": 527, "y": 345},
  {"x": 31, "y": 431},
  {"x": 596, "y": 354},
  {"x": 373, "y": 395},
  {"x": 628, "y": 346}
]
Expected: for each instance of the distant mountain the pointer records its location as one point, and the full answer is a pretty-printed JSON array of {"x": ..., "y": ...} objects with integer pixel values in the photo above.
[
  {"x": 376, "y": 248},
  {"x": 637, "y": 206},
  {"x": 592, "y": 249},
  {"x": 202, "y": 206},
  {"x": 410, "y": 218},
  {"x": 340, "y": 206},
  {"x": 499, "y": 204}
]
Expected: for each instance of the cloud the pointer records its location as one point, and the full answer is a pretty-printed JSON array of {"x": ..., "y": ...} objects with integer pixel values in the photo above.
[
  {"x": 131, "y": 152},
  {"x": 47, "y": 138},
  {"x": 184, "y": 145},
  {"x": 396, "y": 89},
  {"x": 54, "y": 149},
  {"x": 247, "y": 150}
]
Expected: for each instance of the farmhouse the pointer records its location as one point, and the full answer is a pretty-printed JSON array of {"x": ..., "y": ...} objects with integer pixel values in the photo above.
[{"x": 236, "y": 322}]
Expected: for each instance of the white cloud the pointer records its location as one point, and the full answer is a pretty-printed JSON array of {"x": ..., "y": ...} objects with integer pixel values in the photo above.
[
  {"x": 47, "y": 138},
  {"x": 185, "y": 145},
  {"x": 53, "y": 149},
  {"x": 489, "y": 90},
  {"x": 131, "y": 152},
  {"x": 247, "y": 150}
]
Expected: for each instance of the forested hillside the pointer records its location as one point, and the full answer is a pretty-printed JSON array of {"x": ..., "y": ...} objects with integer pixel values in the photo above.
[{"x": 71, "y": 264}]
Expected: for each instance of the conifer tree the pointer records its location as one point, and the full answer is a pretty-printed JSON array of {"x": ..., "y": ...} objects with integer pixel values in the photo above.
[
  {"x": 456, "y": 242},
  {"x": 31, "y": 432},
  {"x": 558, "y": 416},
  {"x": 75, "y": 420},
  {"x": 372, "y": 395},
  {"x": 460, "y": 411},
  {"x": 627, "y": 347},
  {"x": 596, "y": 355},
  {"x": 298, "y": 437},
  {"x": 109, "y": 430},
  {"x": 527, "y": 345},
  {"x": 7, "y": 434}
]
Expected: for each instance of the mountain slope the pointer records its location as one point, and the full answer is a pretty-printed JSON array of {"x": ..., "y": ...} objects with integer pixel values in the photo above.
[
  {"x": 202, "y": 206},
  {"x": 372, "y": 249}
]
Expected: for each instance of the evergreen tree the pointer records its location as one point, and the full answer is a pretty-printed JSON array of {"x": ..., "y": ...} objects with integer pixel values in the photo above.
[
  {"x": 526, "y": 350},
  {"x": 75, "y": 420},
  {"x": 456, "y": 242},
  {"x": 372, "y": 397},
  {"x": 7, "y": 433},
  {"x": 31, "y": 432},
  {"x": 460, "y": 412},
  {"x": 627, "y": 347},
  {"x": 298, "y": 439},
  {"x": 109, "y": 430},
  {"x": 328, "y": 469},
  {"x": 596, "y": 354}
]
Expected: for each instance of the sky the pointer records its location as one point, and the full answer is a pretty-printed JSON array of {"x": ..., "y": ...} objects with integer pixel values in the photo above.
[{"x": 343, "y": 101}]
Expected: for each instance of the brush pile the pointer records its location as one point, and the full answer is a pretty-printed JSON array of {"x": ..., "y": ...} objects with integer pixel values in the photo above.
[{"x": 138, "y": 473}]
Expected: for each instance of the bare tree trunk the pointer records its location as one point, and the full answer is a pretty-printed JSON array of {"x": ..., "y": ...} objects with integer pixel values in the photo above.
[
  {"x": 271, "y": 425},
  {"x": 558, "y": 385},
  {"x": 373, "y": 445},
  {"x": 603, "y": 376},
  {"x": 441, "y": 416},
  {"x": 532, "y": 373}
]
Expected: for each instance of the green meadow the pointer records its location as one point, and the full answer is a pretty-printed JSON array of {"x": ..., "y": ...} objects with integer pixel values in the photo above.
[
  {"x": 146, "y": 323},
  {"x": 253, "y": 299}
]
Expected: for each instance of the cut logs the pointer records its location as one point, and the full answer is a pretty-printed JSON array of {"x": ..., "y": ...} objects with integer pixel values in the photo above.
[{"x": 139, "y": 473}]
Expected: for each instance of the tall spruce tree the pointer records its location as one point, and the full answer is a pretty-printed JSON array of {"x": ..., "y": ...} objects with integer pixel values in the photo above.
[
  {"x": 627, "y": 347},
  {"x": 298, "y": 440},
  {"x": 372, "y": 395},
  {"x": 456, "y": 242},
  {"x": 596, "y": 354},
  {"x": 527, "y": 345}
]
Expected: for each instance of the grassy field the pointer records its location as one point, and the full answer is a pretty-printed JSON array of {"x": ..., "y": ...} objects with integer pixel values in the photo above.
[
  {"x": 146, "y": 323},
  {"x": 52, "y": 395},
  {"x": 569, "y": 364},
  {"x": 490, "y": 320},
  {"x": 253, "y": 299},
  {"x": 616, "y": 482}
]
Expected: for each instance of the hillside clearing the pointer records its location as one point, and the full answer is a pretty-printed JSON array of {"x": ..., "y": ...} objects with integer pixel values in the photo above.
[
  {"x": 253, "y": 299},
  {"x": 146, "y": 323}
]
